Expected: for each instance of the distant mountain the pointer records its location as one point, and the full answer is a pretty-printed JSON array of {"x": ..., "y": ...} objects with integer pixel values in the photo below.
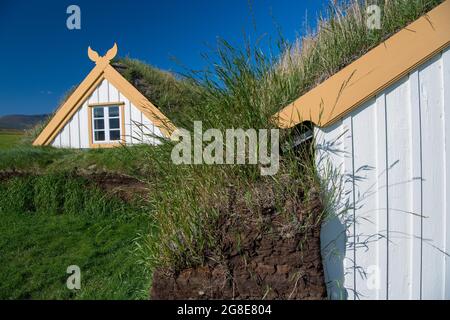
[{"x": 21, "y": 122}]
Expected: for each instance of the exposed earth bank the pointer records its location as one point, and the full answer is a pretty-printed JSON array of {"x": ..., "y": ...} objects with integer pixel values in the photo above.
[
  {"x": 125, "y": 187},
  {"x": 264, "y": 255}
]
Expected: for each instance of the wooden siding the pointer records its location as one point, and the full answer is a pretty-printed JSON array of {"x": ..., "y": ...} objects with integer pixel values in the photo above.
[
  {"x": 138, "y": 128},
  {"x": 388, "y": 162}
]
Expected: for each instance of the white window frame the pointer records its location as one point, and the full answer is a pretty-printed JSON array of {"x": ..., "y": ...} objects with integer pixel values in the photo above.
[{"x": 106, "y": 119}]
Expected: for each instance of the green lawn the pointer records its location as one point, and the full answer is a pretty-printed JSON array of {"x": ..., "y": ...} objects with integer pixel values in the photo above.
[
  {"x": 49, "y": 223},
  {"x": 9, "y": 139},
  {"x": 37, "y": 249}
]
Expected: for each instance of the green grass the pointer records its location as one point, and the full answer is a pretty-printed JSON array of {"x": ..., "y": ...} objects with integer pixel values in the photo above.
[
  {"x": 127, "y": 160},
  {"x": 171, "y": 93},
  {"x": 9, "y": 139},
  {"x": 54, "y": 221},
  {"x": 343, "y": 36},
  {"x": 37, "y": 249},
  {"x": 242, "y": 89}
]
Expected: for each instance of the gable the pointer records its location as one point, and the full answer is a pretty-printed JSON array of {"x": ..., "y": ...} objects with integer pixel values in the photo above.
[
  {"x": 136, "y": 126},
  {"x": 101, "y": 72}
]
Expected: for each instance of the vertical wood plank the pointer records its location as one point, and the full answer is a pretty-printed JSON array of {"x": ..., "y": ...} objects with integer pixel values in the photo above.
[
  {"x": 94, "y": 98},
  {"x": 65, "y": 137},
  {"x": 446, "y": 106},
  {"x": 84, "y": 126},
  {"x": 127, "y": 115},
  {"x": 399, "y": 189},
  {"x": 433, "y": 170},
  {"x": 79, "y": 126},
  {"x": 350, "y": 262},
  {"x": 114, "y": 95},
  {"x": 382, "y": 194},
  {"x": 74, "y": 131},
  {"x": 103, "y": 91},
  {"x": 416, "y": 188},
  {"x": 57, "y": 141},
  {"x": 365, "y": 132},
  {"x": 410, "y": 150},
  {"x": 130, "y": 132},
  {"x": 330, "y": 163},
  {"x": 147, "y": 130},
  {"x": 136, "y": 124},
  {"x": 157, "y": 132}
]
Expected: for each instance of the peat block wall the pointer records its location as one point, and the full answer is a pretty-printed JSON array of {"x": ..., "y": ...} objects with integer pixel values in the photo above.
[{"x": 263, "y": 256}]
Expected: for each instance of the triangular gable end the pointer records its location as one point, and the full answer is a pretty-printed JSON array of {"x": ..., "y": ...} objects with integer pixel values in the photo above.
[{"x": 102, "y": 71}]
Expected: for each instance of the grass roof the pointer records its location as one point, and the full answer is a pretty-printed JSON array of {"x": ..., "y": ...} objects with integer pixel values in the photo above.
[
  {"x": 343, "y": 35},
  {"x": 170, "y": 93}
]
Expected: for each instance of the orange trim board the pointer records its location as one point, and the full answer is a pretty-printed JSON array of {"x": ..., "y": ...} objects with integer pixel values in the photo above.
[
  {"x": 373, "y": 72},
  {"x": 102, "y": 70}
]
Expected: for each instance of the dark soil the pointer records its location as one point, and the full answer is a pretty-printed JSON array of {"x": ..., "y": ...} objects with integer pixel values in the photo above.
[
  {"x": 7, "y": 175},
  {"x": 264, "y": 254},
  {"x": 125, "y": 187}
]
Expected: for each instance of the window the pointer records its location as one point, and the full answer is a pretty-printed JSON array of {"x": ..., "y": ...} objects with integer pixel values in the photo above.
[{"x": 106, "y": 124}]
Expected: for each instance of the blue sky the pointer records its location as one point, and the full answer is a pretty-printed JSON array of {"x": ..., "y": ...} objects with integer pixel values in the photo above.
[{"x": 41, "y": 59}]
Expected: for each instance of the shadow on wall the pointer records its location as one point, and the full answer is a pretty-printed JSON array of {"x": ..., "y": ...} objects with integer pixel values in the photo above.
[
  {"x": 350, "y": 251},
  {"x": 334, "y": 229},
  {"x": 340, "y": 241}
]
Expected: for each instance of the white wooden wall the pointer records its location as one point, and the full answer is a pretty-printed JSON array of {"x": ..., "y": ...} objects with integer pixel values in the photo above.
[
  {"x": 388, "y": 235},
  {"x": 138, "y": 128}
]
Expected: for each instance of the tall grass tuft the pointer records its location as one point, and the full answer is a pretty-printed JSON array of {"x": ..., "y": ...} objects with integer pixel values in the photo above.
[
  {"x": 170, "y": 92},
  {"x": 342, "y": 36},
  {"x": 17, "y": 195},
  {"x": 48, "y": 193},
  {"x": 244, "y": 93},
  {"x": 243, "y": 89},
  {"x": 57, "y": 193}
]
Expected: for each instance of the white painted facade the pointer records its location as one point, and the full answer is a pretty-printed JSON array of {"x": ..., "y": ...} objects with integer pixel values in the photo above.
[
  {"x": 388, "y": 236},
  {"x": 138, "y": 128}
]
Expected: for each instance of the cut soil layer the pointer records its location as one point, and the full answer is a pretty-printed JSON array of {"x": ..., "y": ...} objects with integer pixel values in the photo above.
[
  {"x": 264, "y": 254},
  {"x": 125, "y": 187}
]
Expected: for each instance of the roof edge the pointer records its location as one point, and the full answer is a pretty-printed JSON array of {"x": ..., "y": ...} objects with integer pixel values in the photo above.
[
  {"x": 373, "y": 72},
  {"x": 64, "y": 113},
  {"x": 102, "y": 70},
  {"x": 140, "y": 101}
]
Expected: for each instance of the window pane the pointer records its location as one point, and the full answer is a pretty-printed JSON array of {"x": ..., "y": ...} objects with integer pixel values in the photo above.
[
  {"x": 98, "y": 112},
  {"x": 99, "y": 135},
  {"x": 114, "y": 135},
  {"x": 114, "y": 124},
  {"x": 113, "y": 112},
  {"x": 99, "y": 124}
]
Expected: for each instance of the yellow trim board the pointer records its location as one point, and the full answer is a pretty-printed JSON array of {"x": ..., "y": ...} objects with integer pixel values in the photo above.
[
  {"x": 100, "y": 104},
  {"x": 139, "y": 101},
  {"x": 73, "y": 103},
  {"x": 102, "y": 70},
  {"x": 373, "y": 72}
]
